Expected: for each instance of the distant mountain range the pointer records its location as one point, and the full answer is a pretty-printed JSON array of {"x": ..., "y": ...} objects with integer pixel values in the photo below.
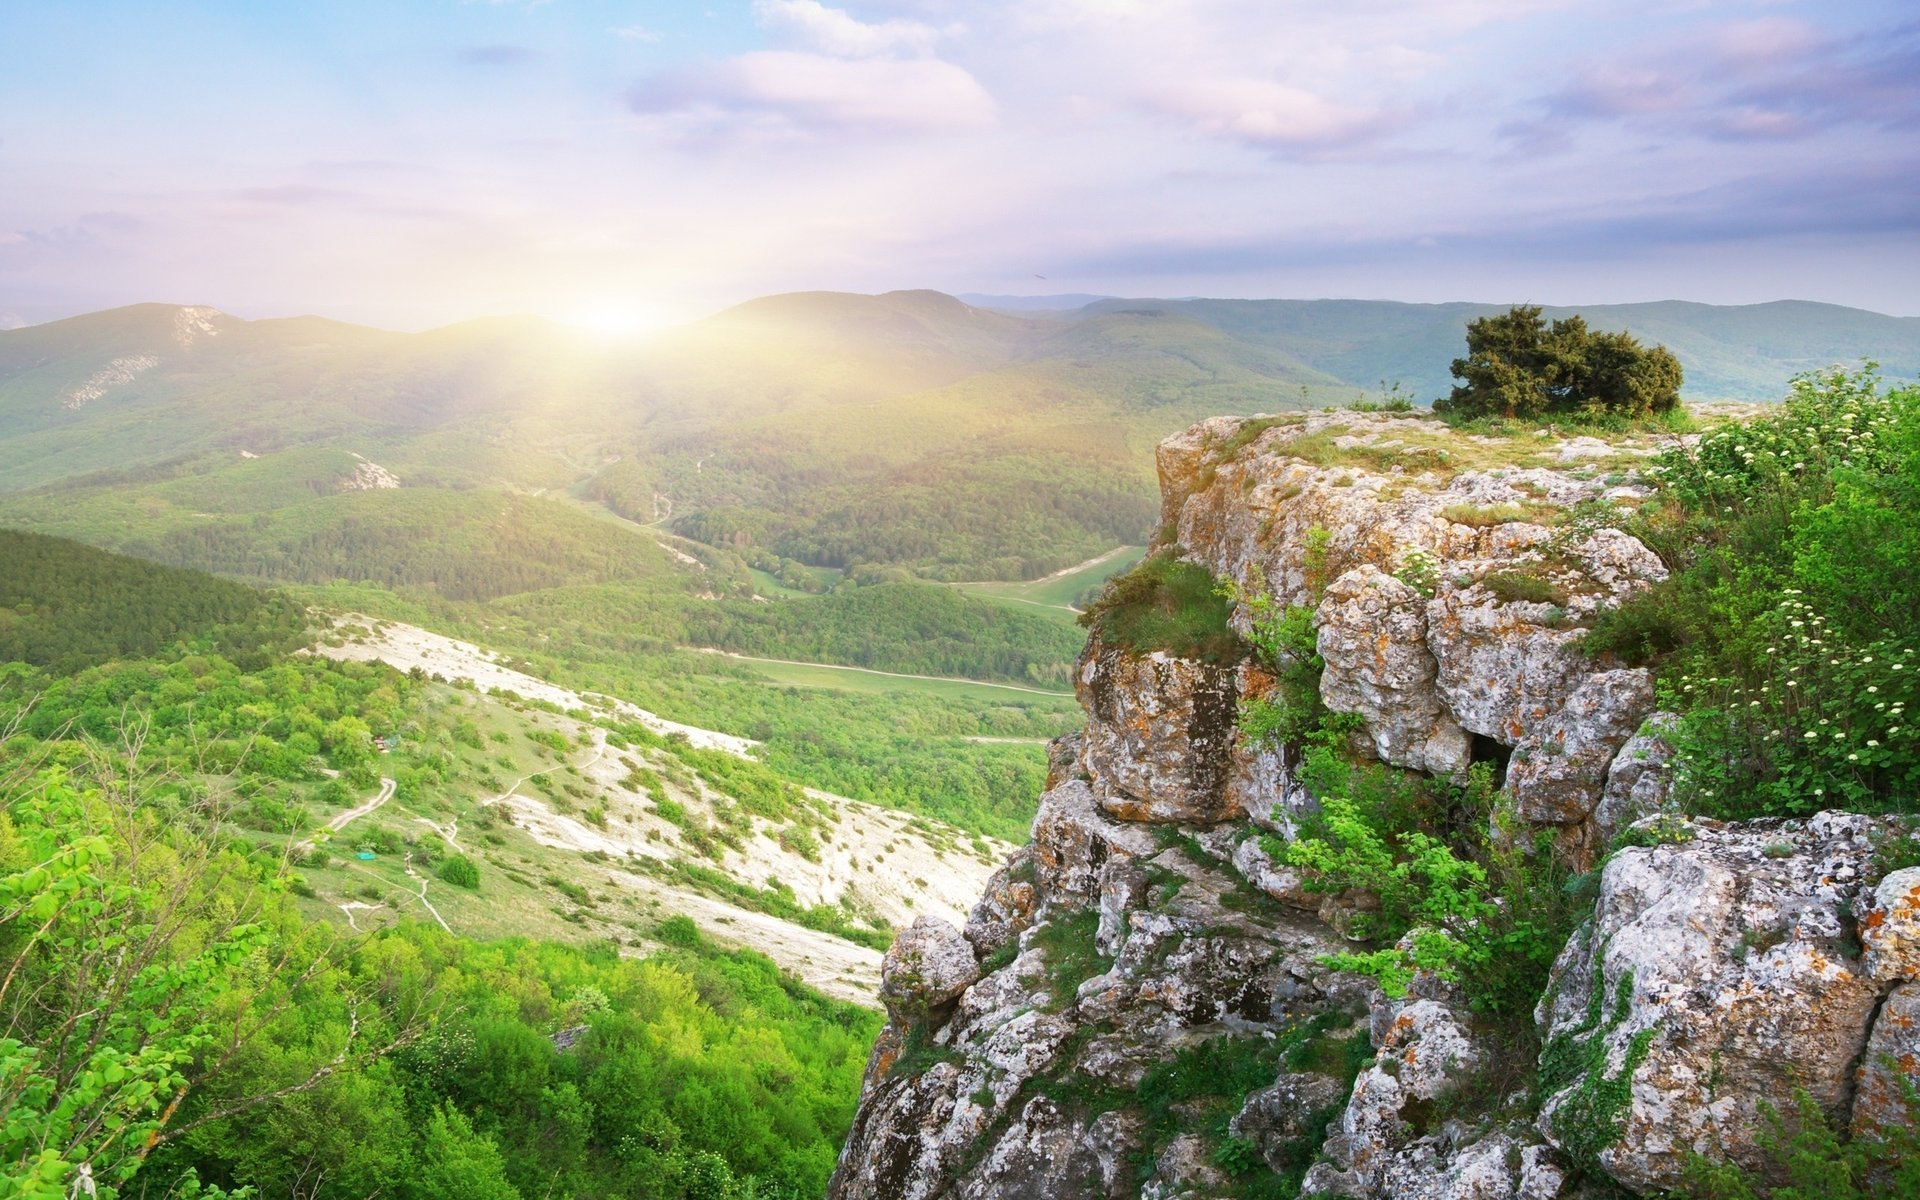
[{"x": 957, "y": 440}]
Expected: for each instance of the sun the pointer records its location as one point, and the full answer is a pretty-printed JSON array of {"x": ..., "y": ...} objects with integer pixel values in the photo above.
[{"x": 614, "y": 320}]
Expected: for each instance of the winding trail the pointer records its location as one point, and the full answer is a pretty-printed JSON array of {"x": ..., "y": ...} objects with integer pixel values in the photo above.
[{"x": 342, "y": 820}]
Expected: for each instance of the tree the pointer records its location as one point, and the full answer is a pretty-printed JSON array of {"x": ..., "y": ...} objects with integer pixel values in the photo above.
[{"x": 1519, "y": 365}]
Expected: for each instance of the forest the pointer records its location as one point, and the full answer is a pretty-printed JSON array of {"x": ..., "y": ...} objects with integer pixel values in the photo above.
[{"x": 177, "y": 1024}]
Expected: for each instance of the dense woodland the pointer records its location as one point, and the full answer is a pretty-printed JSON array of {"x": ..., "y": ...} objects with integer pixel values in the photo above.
[
  {"x": 66, "y": 606},
  {"x": 178, "y": 1026}
]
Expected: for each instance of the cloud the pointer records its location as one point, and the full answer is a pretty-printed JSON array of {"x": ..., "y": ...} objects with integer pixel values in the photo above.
[
  {"x": 635, "y": 33},
  {"x": 833, "y": 31},
  {"x": 1773, "y": 79},
  {"x": 817, "y": 92},
  {"x": 286, "y": 194},
  {"x": 1273, "y": 116},
  {"x": 497, "y": 55}
]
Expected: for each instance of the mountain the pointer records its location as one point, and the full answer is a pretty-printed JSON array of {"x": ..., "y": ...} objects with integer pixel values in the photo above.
[
  {"x": 1743, "y": 352},
  {"x": 910, "y": 429}
]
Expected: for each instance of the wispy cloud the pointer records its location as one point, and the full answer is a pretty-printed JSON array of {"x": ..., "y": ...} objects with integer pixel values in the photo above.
[
  {"x": 636, "y": 33},
  {"x": 1769, "y": 79},
  {"x": 1273, "y": 116},
  {"x": 834, "y": 31},
  {"x": 814, "y": 92}
]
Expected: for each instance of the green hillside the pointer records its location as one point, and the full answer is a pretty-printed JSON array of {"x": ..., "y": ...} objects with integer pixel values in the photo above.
[
  {"x": 904, "y": 430},
  {"x": 1744, "y": 352}
]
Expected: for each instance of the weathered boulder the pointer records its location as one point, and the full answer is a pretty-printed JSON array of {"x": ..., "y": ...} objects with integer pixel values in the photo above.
[
  {"x": 1719, "y": 973},
  {"x": 1559, "y": 768},
  {"x": 1373, "y": 638},
  {"x": 1426, "y": 1052},
  {"x": 1890, "y": 927},
  {"x": 1005, "y": 910},
  {"x": 1123, "y": 888},
  {"x": 925, "y": 970},
  {"x": 1502, "y": 670},
  {"x": 1159, "y": 734},
  {"x": 1890, "y": 1065},
  {"x": 1282, "y": 1117},
  {"x": 1428, "y": 668},
  {"x": 1260, "y": 783},
  {"x": 1073, "y": 837},
  {"x": 1639, "y": 779},
  {"x": 1461, "y": 1164}
]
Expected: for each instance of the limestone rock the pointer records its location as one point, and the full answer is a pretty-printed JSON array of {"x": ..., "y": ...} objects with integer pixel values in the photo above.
[
  {"x": 1638, "y": 780},
  {"x": 1123, "y": 888},
  {"x": 1504, "y": 1164},
  {"x": 1005, "y": 910},
  {"x": 1501, "y": 670},
  {"x": 1718, "y": 973},
  {"x": 1559, "y": 768},
  {"x": 1159, "y": 734},
  {"x": 928, "y": 966},
  {"x": 1073, "y": 838},
  {"x": 1373, "y": 638},
  {"x": 1280, "y": 1117},
  {"x": 1286, "y": 884},
  {"x": 1890, "y": 928},
  {"x": 1426, "y": 1052},
  {"x": 1890, "y": 1065}
]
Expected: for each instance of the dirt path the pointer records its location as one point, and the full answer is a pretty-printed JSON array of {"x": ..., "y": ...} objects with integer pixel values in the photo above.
[
  {"x": 788, "y": 662},
  {"x": 412, "y": 874},
  {"x": 342, "y": 820},
  {"x": 1088, "y": 565}
]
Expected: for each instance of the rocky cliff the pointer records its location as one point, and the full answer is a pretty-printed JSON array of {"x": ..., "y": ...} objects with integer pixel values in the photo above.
[{"x": 1141, "y": 1004}]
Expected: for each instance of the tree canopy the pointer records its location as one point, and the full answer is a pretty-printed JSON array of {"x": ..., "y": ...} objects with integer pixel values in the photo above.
[{"x": 1519, "y": 365}]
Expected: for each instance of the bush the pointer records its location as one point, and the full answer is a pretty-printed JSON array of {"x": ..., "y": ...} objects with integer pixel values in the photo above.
[
  {"x": 1783, "y": 636},
  {"x": 1455, "y": 878},
  {"x": 1517, "y": 365},
  {"x": 460, "y": 871},
  {"x": 1165, "y": 604}
]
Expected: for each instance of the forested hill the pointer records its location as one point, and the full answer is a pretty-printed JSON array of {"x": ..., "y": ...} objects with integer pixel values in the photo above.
[
  {"x": 67, "y": 606},
  {"x": 907, "y": 430}
]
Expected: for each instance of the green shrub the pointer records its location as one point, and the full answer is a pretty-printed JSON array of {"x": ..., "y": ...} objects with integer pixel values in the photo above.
[
  {"x": 1783, "y": 634},
  {"x": 1165, "y": 604},
  {"x": 1452, "y": 869},
  {"x": 1519, "y": 366},
  {"x": 1513, "y": 587},
  {"x": 1811, "y": 1160}
]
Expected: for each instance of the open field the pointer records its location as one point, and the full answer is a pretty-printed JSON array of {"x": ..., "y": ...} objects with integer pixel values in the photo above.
[
  {"x": 1054, "y": 594},
  {"x": 863, "y": 679}
]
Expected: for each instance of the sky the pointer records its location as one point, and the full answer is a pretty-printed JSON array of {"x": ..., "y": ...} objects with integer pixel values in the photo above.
[{"x": 622, "y": 165}]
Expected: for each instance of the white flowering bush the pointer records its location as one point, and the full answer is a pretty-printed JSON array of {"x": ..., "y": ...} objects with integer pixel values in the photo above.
[
  {"x": 1830, "y": 420},
  {"x": 1788, "y": 636},
  {"x": 1817, "y": 723}
]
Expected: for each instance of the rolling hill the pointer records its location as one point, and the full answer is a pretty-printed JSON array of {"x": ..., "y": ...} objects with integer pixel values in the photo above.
[{"x": 909, "y": 430}]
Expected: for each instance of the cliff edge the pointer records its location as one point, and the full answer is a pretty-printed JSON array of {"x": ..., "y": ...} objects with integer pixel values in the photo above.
[{"x": 1161, "y": 997}]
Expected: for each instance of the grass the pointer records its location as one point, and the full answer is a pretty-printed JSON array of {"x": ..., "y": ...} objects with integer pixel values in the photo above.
[
  {"x": 1166, "y": 604},
  {"x": 1058, "y": 596},
  {"x": 856, "y": 679},
  {"x": 1511, "y": 587},
  {"x": 1489, "y": 515}
]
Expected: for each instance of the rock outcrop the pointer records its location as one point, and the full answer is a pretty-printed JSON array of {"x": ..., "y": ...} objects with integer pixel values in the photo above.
[
  {"x": 1724, "y": 970},
  {"x": 1141, "y": 1005}
]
